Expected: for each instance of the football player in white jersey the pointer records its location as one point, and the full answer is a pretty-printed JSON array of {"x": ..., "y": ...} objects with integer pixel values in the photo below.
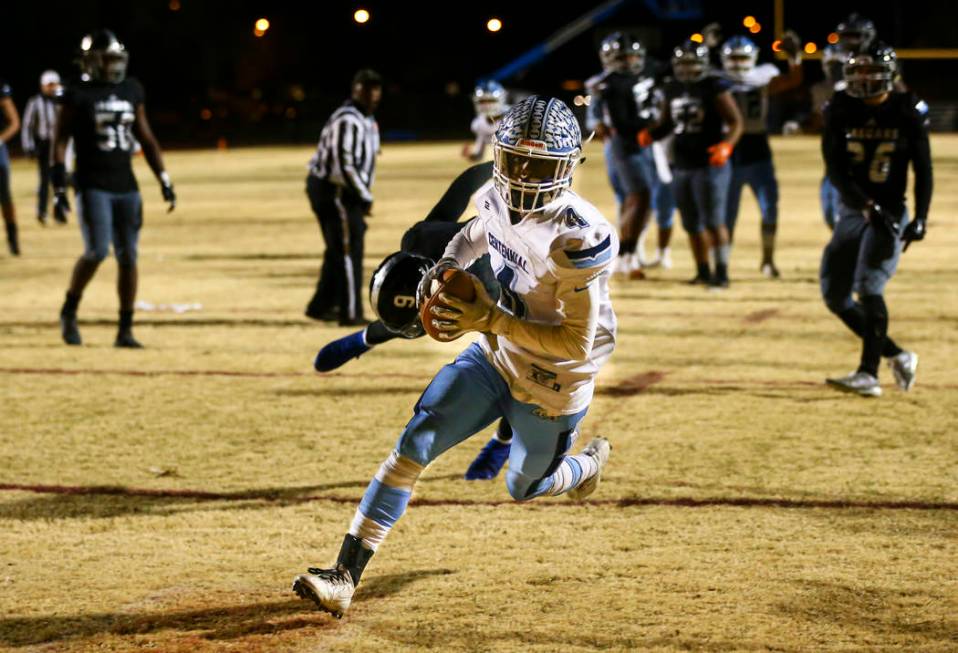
[
  {"x": 489, "y": 99},
  {"x": 539, "y": 348}
]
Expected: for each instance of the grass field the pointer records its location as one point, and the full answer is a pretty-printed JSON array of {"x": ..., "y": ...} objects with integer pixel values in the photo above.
[{"x": 163, "y": 499}]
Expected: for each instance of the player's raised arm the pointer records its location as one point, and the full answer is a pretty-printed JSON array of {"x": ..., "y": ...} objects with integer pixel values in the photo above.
[
  {"x": 154, "y": 157},
  {"x": 793, "y": 77}
]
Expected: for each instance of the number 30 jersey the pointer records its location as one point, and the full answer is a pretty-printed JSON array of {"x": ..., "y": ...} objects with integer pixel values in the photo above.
[
  {"x": 867, "y": 149},
  {"x": 102, "y": 131},
  {"x": 553, "y": 269}
]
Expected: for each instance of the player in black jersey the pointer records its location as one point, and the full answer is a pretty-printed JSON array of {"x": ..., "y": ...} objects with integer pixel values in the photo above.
[
  {"x": 872, "y": 133},
  {"x": 752, "y": 163},
  {"x": 392, "y": 291},
  {"x": 702, "y": 115},
  {"x": 102, "y": 114},
  {"x": 10, "y": 120}
]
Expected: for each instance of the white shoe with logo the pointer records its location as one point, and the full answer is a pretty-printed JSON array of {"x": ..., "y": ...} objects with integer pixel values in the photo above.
[
  {"x": 599, "y": 448},
  {"x": 330, "y": 589},
  {"x": 903, "y": 367}
]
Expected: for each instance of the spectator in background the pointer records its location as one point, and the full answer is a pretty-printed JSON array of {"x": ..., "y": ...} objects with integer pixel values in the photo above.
[{"x": 39, "y": 125}]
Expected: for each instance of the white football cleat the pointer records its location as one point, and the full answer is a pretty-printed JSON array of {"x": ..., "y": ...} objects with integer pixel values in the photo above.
[
  {"x": 769, "y": 271},
  {"x": 665, "y": 258},
  {"x": 330, "y": 589},
  {"x": 903, "y": 367},
  {"x": 860, "y": 383},
  {"x": 599, "y": 448}
]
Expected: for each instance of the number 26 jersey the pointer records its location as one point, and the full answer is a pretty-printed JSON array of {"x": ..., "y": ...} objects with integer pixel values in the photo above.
[{"x": 102, "y": 131}]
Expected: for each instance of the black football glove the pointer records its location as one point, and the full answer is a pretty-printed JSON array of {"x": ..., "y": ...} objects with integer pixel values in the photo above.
[
  {"x": 915, "y": 230},
  {"x": 166, "y": 187}
]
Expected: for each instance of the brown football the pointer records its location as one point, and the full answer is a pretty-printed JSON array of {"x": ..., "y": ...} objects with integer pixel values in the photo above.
[{"x": 455, "y": 282}]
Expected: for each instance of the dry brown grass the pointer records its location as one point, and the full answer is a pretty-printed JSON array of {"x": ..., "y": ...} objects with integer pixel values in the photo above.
[{"x": 746, "y": 506}]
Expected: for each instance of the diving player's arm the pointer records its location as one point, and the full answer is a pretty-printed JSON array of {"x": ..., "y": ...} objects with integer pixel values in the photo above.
[
  {"x": 154, "y": 157},
  {"x": 838, "y": 163},
  {"x": 576, "y": 269},
  {"x": 11, "y": 117}
]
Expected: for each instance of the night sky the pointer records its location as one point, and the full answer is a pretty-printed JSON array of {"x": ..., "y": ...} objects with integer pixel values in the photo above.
[{"x": 207, "y": 75}]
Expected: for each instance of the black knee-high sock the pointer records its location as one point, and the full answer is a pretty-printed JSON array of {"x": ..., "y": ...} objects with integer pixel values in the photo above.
[
  {"x": 768, "y": 242},
  {"x": 876, "y": 328},
  {"x": 854, "y": 319}
]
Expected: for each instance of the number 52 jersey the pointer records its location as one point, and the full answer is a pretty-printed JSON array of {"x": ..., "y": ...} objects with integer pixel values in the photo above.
[{"x": 102, "y": 131}]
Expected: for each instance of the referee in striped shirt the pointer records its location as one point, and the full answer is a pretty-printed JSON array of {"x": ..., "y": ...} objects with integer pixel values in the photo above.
[
  {"x": 39, "y": 124},
  {"x": 339, "y": 186}
]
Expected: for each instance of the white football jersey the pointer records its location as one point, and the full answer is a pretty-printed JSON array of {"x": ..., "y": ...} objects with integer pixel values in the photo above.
[
  {"x": 542, "y": 263},
  {"x": 485, "y": 129}
]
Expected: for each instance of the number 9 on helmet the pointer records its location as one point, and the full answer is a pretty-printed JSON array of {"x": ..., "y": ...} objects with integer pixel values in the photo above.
[{"x": 392, "y": 292}]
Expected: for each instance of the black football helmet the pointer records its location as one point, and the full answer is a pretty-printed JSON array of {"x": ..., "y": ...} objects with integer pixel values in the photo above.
[
  {"x": 690, "y": 61},
  {"x": 102, "y": 57},
  {"x": 392, "y": 292},
  {"x": 622, "y": 52},
  {"x": 856, "y": 33},
  {"x": 872, "y": 72}
]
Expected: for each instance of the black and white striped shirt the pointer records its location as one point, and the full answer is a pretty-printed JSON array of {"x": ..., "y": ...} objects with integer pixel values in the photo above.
[
  {"x": 39, "y": 121},
  {"x": 347, "y": 150}
]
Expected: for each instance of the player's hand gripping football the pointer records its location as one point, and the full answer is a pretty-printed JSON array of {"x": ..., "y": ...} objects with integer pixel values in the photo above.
[
  {"x": 457, "y": 316},
  {"x": 435, "y": 272}
]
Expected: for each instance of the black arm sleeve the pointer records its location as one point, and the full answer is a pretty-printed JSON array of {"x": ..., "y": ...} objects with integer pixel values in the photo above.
[
  {"x": 456, "y": 198},
  {"x": 921, "y": 163},
  {"x": 837, "y": 165}
]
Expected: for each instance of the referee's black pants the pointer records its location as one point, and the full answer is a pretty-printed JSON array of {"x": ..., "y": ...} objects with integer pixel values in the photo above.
[{"x": 341, "y": 215}]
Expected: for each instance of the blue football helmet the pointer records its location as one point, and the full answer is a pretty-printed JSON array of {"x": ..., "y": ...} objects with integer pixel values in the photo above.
[
  {"x": 739, "y": 55},
  {"x": 489, "y": 98},
  {"x": 536, "y": 149}
]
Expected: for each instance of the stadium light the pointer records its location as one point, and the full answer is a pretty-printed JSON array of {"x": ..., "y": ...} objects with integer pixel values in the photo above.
[
  {"x": 698, "y": 38},
  {"x": 174, "y": 5},
  {"x": 833, "y": 38},
  {"x": 260, "y": 27},
  {"x": 810, "y": 48},
  {"x": 494, "y": 25},
  {"x": 361, "y": 16},
  {"x": 748, "y": 21},
  {"x": 755, "y": 28},
  {"x": 777, "y": 45}
]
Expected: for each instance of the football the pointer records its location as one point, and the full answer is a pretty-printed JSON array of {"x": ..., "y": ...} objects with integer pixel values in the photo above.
[{"x": 455, "y": 282}]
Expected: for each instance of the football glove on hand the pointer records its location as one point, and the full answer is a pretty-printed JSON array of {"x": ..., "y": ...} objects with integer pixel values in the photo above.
[
  {"x": 915, "y": 230},
  {"x": 166, "y": 187},
  {"x": 458, "y": 315},
  {"x": 435, "y": 272},
  {"x": 719, "y": 154},
  {"x": 644, "y": 138}
]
